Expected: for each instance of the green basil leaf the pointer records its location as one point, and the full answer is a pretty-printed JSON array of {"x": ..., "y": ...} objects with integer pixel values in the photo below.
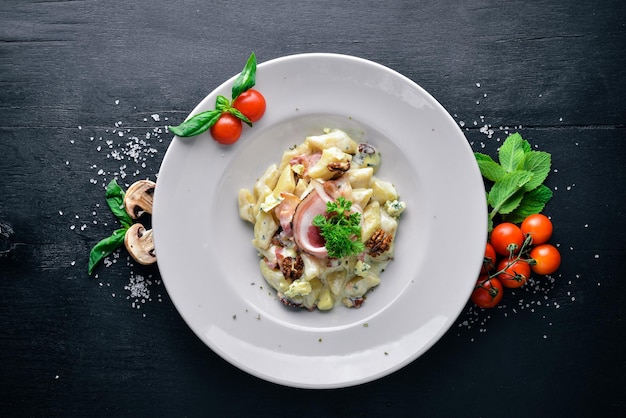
[
  {"x": 490, "y": 169},
  {"x": 504, "y": 193},
  {"x": 115, "y": 200},
  {"x": 105, "y": 247},
  {"x": 246, "y": 79},
  {"x": 538, "y": 163},
  {"x": 533, "y": 202},
  {"x": 222, "y": 103},
  {"x": 197, "y": 124},
  {"x": 511, "y": 153},
  {"x": 240, "y": 115}
]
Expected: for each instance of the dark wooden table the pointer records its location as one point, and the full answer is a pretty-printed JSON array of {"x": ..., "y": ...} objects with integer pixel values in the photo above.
[{"x": 86, "y": 90}]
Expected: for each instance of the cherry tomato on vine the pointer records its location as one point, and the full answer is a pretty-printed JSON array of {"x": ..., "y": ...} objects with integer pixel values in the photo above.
[
  {"x": 539, "y": 227},
  {"x": 514, "y": 273},
  {"x": 489, "y": 262},
  {"x": 487, "y": 292},
  {"x": 547, "y": 259},
  {"x": 227, "y": 129},
  {"x": 506, "y": 235},
  {"x": 251, "y": 103}
]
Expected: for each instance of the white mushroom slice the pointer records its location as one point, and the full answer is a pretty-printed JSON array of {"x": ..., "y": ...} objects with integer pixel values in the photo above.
[
  {"x": 138, "y": 198},
  {"x": 139, "y": 243}
]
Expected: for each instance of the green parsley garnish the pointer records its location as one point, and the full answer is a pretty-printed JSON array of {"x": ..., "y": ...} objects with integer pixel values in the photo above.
[{"x": 341, "y": 229}]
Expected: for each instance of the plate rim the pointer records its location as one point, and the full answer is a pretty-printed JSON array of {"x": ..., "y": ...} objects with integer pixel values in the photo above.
[{"x": 199, "y": 107}]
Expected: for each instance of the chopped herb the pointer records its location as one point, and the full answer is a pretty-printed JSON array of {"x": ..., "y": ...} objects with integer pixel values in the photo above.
[{"x": 341, "y": 229}]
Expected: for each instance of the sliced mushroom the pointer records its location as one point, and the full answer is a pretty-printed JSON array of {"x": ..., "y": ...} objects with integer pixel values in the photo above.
[
  {"x": 139, "y": 243},
  {"x": 138, "y": 198}
]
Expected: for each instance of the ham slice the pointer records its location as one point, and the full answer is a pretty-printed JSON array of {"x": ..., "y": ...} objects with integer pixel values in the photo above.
[
  {"x": 285, "y": 211},
  {"x": 305, "y": 234}
]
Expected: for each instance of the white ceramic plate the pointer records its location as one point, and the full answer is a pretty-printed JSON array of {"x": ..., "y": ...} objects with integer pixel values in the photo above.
[{"x": 210, "y": 268}]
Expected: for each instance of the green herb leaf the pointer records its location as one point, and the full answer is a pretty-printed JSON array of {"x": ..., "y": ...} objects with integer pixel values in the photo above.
[
  {"x": 512, "y": 153},
  {"x": 533, "y": 202},
  {"x": 490, "y": 169},
  {"x": 222, "y": 103},
  {"x": 197, "y": 124},
  {"x": 503, "y": 196},
  {"x": 246, "y": 79},
  {"x": 105, "y": 247},
  {"x": 538, "y": 163},
  {"x": 240, "y": 115},
  {"x": 341, "y": 229},
  {"x": 115, "y": 200}
]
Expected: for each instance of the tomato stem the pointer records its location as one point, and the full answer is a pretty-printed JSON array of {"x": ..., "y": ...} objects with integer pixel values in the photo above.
[{"x": 528, "y": 240}]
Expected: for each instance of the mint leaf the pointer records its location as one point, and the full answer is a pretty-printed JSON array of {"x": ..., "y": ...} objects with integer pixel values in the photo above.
[
  {"x": 538, "y": 163},
  {"x": 105, "y": 247},
  {"x": 512, "y": 152},
  {"x": 490, "y": 169},
  {"x": 533, "y": 202},
  {"x": 197, "y": 124},
  {"x": 246, "y": 79},
  {"x": 115, "y": 200},
  {"x": 504, "y": 193}
]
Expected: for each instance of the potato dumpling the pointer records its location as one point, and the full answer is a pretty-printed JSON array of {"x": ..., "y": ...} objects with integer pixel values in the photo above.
[
  {"x": 383, "y": 191},
  {"x": 331, "y": 157},
  {"x": 371, "y": 220},
  {"x": 333, "y": 138},
  {"x": 246, "y": 203}
]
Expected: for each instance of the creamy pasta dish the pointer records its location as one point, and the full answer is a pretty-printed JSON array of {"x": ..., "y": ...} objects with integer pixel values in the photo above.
[{"x": 324, "y": 223}]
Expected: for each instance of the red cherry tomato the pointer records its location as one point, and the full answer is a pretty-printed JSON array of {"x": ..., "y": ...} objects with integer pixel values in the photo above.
[
  {"x": 251, "y": 103},
  {"x": 227, "y": 129},
  {"x": 506, "y": 238},
  {"x": 547, "y": 259},
  {"x": 487, "y": 292},
  {"x": 514, "y": 273},
  {"x": 489, "y": 262},
  {"x": 539, "y": 227}
]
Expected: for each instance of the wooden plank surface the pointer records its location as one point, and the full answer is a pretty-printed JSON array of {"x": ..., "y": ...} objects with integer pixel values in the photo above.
[{"x": 86, "y": 89}]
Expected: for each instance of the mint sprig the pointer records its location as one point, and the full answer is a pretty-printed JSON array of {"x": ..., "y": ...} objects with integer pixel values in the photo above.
[{"x": 518, "y": 190}]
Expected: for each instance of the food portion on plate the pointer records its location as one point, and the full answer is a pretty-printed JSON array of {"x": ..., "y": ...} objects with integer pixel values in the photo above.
[{"x": 324, "y": 223}]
